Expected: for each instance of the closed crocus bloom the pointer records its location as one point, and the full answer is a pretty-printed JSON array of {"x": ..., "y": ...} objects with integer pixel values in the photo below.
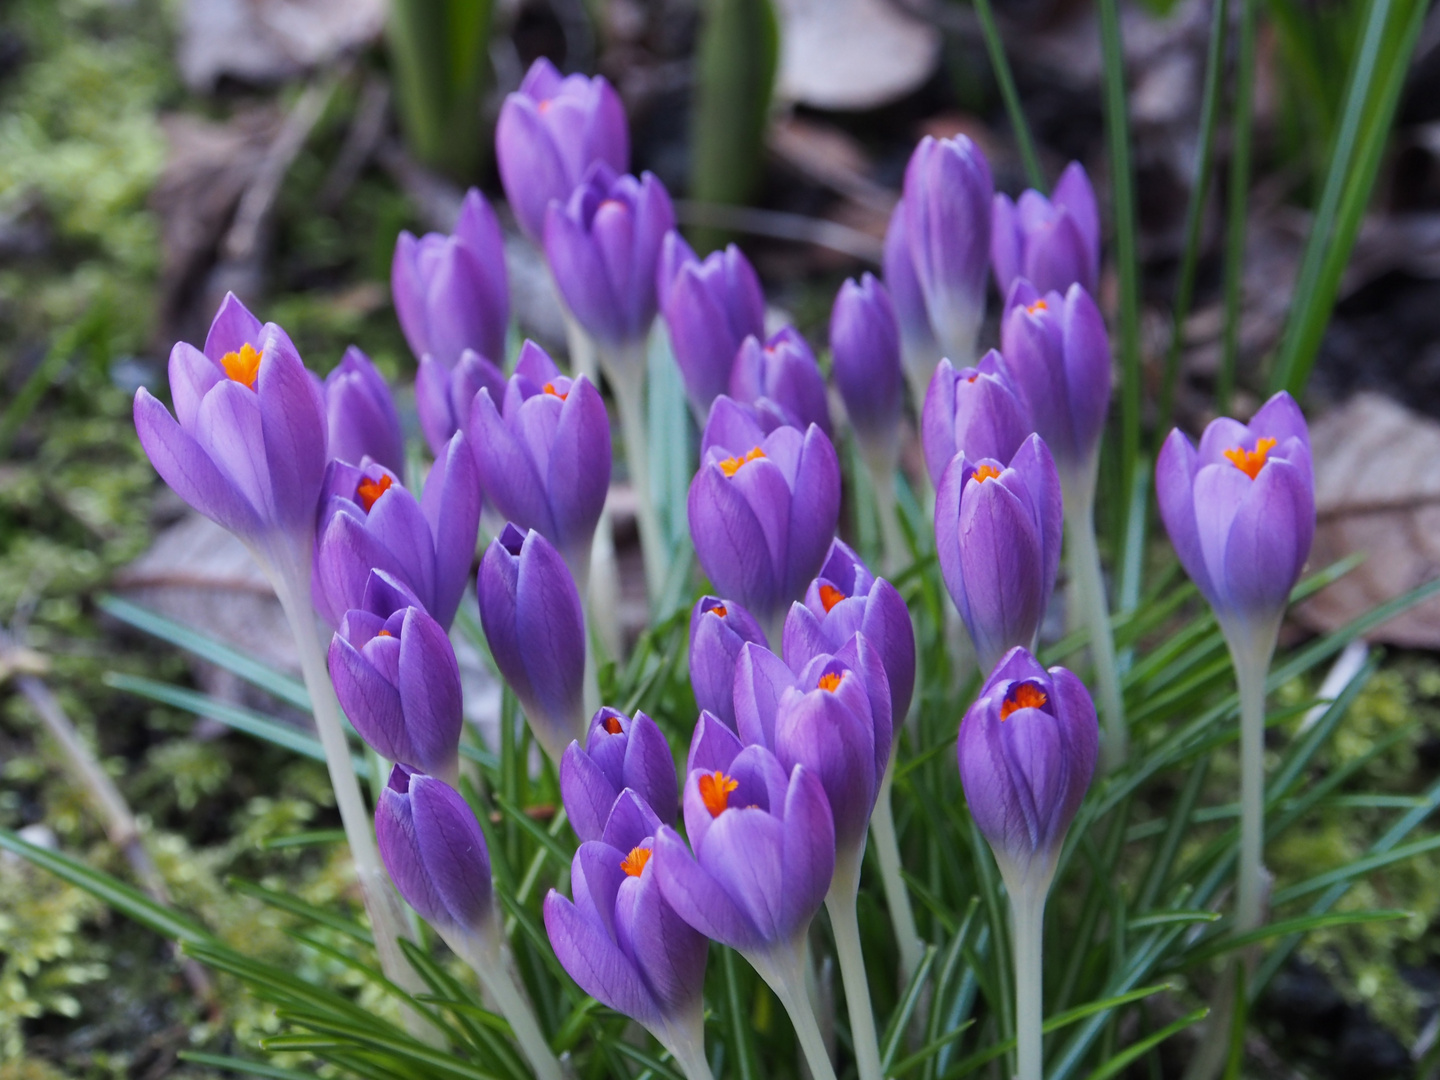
[
  {"x": 370, "y": 521},
  {"x": 624, "y": 945},
  {"x": 399, "y": 684},
  {"x": 919, "y": 349},
  {"x": 530, "y": 611},
  {"x": 1027, "y": 750},
  {"x": 1058, "y": 355},
  {"x": 997, "y": 536},
  {"x": 1053, "y": 243},
  {"x": 865, "y": 346},
  {"x": 734, "y": 423},
  {"x": 450, "y": 292},
  {"x": 975, "y": 411},
  {"x": 246, "y": 446},
  {"x": 948, "y": 191},
  {"x": 718, "y": 631},
  {"x": 443, "y": 395},
  {"x": 1240, "y": 510},
  {"x": 550, "y": 132},
  {"x": 762, "y": 518},
  {"x": 710, "y": 308},
  {"x": 545, "y": 460},
  {"x": 784, "y": 371},
  {"x": 603, "y": 246},
  {"x": 362, "y": 421},
  {"x": 619, "y": 753}
]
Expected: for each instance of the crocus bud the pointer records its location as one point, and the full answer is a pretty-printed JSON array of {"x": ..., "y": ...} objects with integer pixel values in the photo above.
[
  {"x": 847, "y": 599},
  {"x": 718, "y": 630},
  {"x": 1053, "y": 243},
  {"x": 1058, "y": 356},
  {"x": 619, "y": 753},
  {"x": 399, "y": 684},
  {"x": 370, "y": 521},
  {"x": 1027, "y": 751},
  {"x": 865, "y": 345},
  {"x": 443, "y": 395},
  {"x": 710, "y": 308},
  {"x": 603, "y": 245},
  {"x": 530, "y": 611},
  {"x": 784, "y": 371},
  {"x": 997, "y": 536},
  {"x": 919, "y": 349},
  {"x": 549, "y": 133},
  {"x": 740, "y": 821},
  {"x": 450, "y": 292},
  {"x": 762, "y": 518},
  {"x": 435, "y": 853},
  {"x": 246, "y": 446},
  {"x": 713, "y": 745},
  {"x": 545, "y": 462},
  {"x": 624, "y": 945},
  {"x": 1241, "y": 510},
  {"x": 948, "y": 191},
  {"x": 975, "y": 411},
  {"x": 734, "y": 423},
  {"x": 361, "y": 414},
  {"x": 761, "y": 679}
]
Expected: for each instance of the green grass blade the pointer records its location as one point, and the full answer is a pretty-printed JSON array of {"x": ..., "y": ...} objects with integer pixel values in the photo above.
[
  {"x": 1138, "y": 1050},
  {"x": 243, "y": 1065},
  {"x": 1238, "y": 203},
  {"x": 1000, "y": 65},
  {"x": 1301, "y": 925}
]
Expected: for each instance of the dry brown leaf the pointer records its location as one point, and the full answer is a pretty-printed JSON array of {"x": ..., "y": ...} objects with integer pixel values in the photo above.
[{"x": 852, "y": 54}]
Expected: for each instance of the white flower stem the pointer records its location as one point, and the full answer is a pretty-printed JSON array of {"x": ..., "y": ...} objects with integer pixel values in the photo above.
[
  {"x": 1027, "y": 917},
  {"x": 897, "y": 896},
  {"x": 840, "y": 902},
  {"x": 625, "y": 369},
  {"x": 579, "y": 564},
  {"x": 1085, "y": 573},
  {"x": 685, "y": 1039},
  {"x": 783, "y": 970},
  {"x": 489, "y": 961},
  {"x": 882, "y": 477},
  {"x": 1252, "y": 660}
]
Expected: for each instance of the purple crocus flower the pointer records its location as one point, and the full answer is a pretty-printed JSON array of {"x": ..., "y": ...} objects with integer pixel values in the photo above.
[
  {"x": 443, "y": 394},
  {"x": 1053, "y": 243},
  {"x": 997, "y": 536},
  {"x": 1241, "y": 510},
  {"x": 530, "y": 611},
  {"x": 545, "y": 462},
  {"x": 450, "y": 292},
  {"x": 603, "y": 246},
  {"x": 847, "y": 599},
  {"x": 735, "y": 423},
  {"x": 718, "y": 630},
  {"x": 710, "y": 308},
  {"x": 1058, "y": 355},
  {"x": 399, "y": 684},
  {"x": 865, "y": 345},
  {"x": 624, "y": 945},
  {"x": 619, "y": 753},
  {"x": 361, "y": 414},
  {"x": 784, "y": 371},
  {"x": 1027, "y": 750},
  {"x": 762, "y": 518},
  {"x": 977, "y": 411},
  {"x": 369, "y": 521},
  {"x": 550, "y": 132},
  {"x": 246, "y": 446},
  {"x": 435, "y": 853}
]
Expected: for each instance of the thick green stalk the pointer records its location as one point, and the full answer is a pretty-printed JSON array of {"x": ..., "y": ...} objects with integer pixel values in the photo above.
[
  {"x": 840, "y": 902},
  {"x": 1239, "y": 193},
  {"x": 439, "y": 51}
]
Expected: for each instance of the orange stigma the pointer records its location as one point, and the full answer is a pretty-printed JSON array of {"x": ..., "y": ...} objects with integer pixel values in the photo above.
[
  {"x": 1024, "y": 696},
  {"x": 731, "y": 465},
  {"x": 634, "y": 863},
  {"x": 369, "y": 490},
  {"x": 985, "y": 472},
  {"x": 550, "y": 389},
  {"x": 830, "y": 596},
  {"x": 719, "y": 609},
  {"x": 612, "y": 725},
  {"x": 1250, "y": 462},
  {"x": 831, "y": 682},
  {"x": 243, "y": 366},
  {"x": 715, "y": 791},
  {"x": 384, "y": 633},
  {"x": 1038, "y": 305}
]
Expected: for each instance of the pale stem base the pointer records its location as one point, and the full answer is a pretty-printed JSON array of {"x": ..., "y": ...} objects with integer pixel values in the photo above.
[
  {"x": 579, "y": 344},
  {"x": 490, "y": 963},
  {"x": 881, "y": 467},
  {"x": 1027, "y": 919},
  {"x": 625, "y": 369},
  {"x": 579, "y": 564},
  {"x": 684, "y": 1037},
  {"x": 897, "y": 896},
  {"x": 783, "y": 969},
  {"x": 604, "y": 593},
  {"x": 840, "y": 902},
  {"x": 1089, "y": 585},
  {"x": 774, "y": 628}
]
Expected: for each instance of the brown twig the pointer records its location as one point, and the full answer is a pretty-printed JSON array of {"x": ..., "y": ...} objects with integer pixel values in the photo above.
[{"x": 782, "y": 226}]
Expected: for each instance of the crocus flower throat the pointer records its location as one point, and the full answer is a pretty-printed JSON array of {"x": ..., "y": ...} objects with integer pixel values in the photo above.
[
  {"x": 634, "y": 863},
  {"x": 1022, "y": 696},
  {"x": 830, "y": 596},
  {"x": 243, "y": 366},
  {"x": 985, "y": 472},
  {"x": 715, "y": 790},
  {"x": 368, "y": 491},
  {"x": 1250, "y": 462}
]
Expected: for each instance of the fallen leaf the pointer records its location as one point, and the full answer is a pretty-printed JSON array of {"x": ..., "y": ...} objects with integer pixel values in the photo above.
[{"x": 852, "y": 54}]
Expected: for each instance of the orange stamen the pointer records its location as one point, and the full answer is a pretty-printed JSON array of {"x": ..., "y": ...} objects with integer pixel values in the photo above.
[
  {"x": 1023, "y": 696},
  {"x": 550, "y": 389},
  {"x": 731, "y": 465},
  {"x": 243, "y": 366},
  {"x": 634, "y": 863},
  {"x": 830, "y": 596},
  {"x": 986, "y": 472},
  {"x": 384, "y": 633},
  {"x": 1038, "y": 305},
  {"x": 715, "y": 791},
  {"x": 831, "y": 682},
  {"x": 370, "y": 490},
  {"x": 719, "y": 609},
  {"x": 612, "y": 725},
  {"x": 1250, "y": 462}
]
